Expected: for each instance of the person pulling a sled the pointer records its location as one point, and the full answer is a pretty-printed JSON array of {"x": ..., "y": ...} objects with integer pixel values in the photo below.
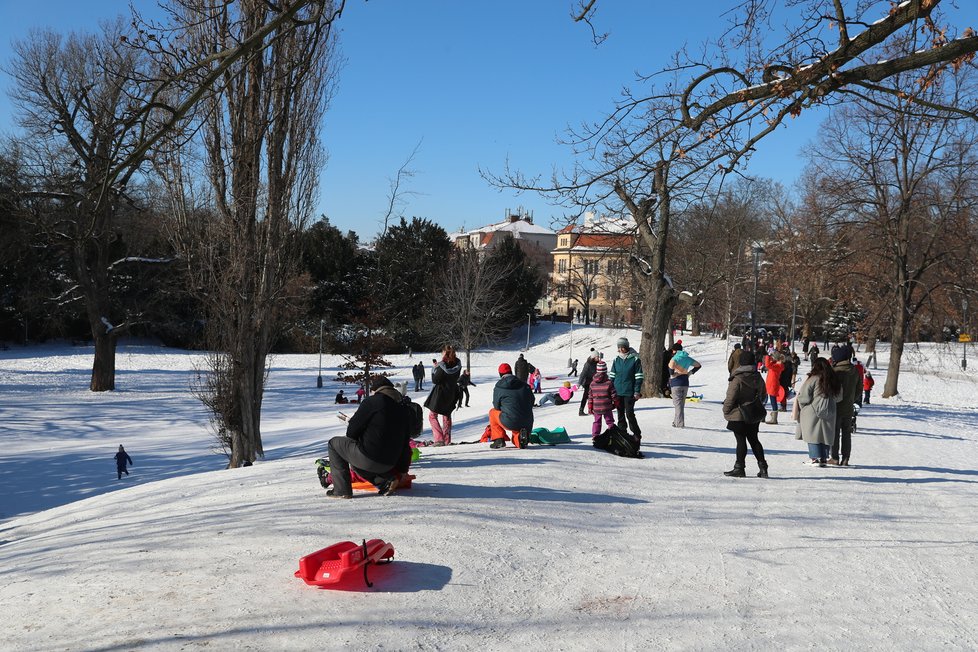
[{"x": 375, "y": 444}]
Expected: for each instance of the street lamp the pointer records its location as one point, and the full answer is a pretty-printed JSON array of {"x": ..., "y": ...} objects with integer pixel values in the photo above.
[
  {"x": 758, "y": 251},
  {"x": 967, "y": 336},
  {"x": 319, "y": 380},
  {"x": 795, "y": 293},
  {"x": 528, "y": 315}
]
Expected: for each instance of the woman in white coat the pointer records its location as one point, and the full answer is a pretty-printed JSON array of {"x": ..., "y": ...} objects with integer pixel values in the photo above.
[{"x": 815, "y": 408}]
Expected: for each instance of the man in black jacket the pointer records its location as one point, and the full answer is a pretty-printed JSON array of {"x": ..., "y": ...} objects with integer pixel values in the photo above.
[
  {"x": 587, "y": 375},
  {"x": 376, "y": 442}
]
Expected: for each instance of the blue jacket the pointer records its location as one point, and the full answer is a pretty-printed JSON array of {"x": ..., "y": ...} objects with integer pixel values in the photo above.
[
  {"x": 627, "y": 374},
  {"x": 514, "y": 398}
]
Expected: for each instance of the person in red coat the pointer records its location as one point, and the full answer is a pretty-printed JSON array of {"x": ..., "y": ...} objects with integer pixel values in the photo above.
[
  {"x": 772, "y": 383},
  {"x": 868, "y": 383}
]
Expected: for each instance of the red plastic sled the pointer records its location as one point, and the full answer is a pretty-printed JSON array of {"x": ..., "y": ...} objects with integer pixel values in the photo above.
[{"x": 339, "y": 562}]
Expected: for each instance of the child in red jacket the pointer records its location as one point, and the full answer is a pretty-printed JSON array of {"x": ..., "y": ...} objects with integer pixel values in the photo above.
[
  {"x": 601, "y": 399},
  {"x": 868, "y": 383}
]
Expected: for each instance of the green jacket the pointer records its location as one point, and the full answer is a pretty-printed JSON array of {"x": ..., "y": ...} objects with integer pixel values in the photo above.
[{"x": 627, "y": 374}]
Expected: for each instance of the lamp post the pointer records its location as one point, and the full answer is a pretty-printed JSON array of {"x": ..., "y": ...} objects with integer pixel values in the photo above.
[
  {"x": 319, "y": 380},
  {"x": 527, "y": 332},
  {"x": 964, "y": 344},
  {"x": 758, "y": 251},
  {"x": 795, "y": 293}
]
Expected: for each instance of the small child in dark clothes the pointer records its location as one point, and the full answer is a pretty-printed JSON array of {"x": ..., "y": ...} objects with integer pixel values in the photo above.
[{"x": 121, "y": 460}]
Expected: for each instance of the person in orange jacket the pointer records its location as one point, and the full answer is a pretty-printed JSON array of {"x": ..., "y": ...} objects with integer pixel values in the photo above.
[{"x": 773, "y": 363}]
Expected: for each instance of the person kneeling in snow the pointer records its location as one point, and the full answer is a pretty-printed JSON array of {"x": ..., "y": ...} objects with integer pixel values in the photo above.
[
  {"x": 512, "y": 409},
  {"x": 376, "y": 442}
]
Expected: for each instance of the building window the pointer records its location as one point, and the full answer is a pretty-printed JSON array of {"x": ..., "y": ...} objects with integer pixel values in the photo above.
[
  {"x": 565, "y": 241},
  {"x": 594, "y": 293},
  {"x": 616, "y": 267},
  {"x": 562, "y": 266},
  {"x": 614, "y": 293}
]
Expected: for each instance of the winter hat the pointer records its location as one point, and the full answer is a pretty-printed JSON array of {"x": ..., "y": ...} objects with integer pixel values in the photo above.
[
  {"x": 747, "y": 358},
  {"x": 840, "y": 353},
  {"x": 623, "y": 343},
  {"x": 379, "y": 381},
  {"x": 566, "y": 383},
  {"x": 736, "y": 346},
  {"x": 601, "y": 367},
  {"x": 504, "y": 369}
]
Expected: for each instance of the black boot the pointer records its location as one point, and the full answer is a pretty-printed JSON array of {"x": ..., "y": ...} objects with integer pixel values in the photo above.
[
  {"x": 736, "y": 472},
  {"x": 763, "y": 469}
]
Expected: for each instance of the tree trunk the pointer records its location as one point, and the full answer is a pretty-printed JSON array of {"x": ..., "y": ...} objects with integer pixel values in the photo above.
[
  {"x": 103, "y": 367},
  {"x": 898, "y": 338}
]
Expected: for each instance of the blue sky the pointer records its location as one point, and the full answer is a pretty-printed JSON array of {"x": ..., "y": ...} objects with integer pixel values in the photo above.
[{"x": 474, "y": 83}]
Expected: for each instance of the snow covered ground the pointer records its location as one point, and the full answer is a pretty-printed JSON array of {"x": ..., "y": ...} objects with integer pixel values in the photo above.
[{"x": 557, "y": 548}]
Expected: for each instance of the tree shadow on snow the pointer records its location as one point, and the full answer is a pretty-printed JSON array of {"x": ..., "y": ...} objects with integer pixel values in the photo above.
[{"x": 519, "y": 492}]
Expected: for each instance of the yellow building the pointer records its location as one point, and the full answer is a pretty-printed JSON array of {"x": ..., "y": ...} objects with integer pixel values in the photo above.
[{"x": 592, "y": 276}]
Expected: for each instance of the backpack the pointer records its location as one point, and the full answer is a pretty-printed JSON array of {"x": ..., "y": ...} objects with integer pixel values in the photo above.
[
  {"x": 617, "y": 441},
  {"x": 415, "y": 416}
]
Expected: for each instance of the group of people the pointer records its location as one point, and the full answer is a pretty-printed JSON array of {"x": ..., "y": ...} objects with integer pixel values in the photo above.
[
  {"x": 823, "y": 407},
  {"x": 377, "y": 447}
]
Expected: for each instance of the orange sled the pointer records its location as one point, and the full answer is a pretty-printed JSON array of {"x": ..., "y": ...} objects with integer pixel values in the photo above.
[{"x": 341, "y": 561}]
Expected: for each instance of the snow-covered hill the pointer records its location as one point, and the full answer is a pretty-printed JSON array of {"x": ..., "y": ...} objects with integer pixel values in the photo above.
[{"x": 547, "y": 548}]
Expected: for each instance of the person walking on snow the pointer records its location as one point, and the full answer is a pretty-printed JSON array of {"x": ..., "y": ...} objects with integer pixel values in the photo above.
[
  {"x": 573, "y": 368},
  {"x": 122, "y": 460},
  {"x": 443, "y": 397},
  {"x": 418, "y": 372},
  {"x": 626, "y": 373},
  {"x": 463, "y": 388},
  {"x": 602, "y": 400},
  {"x": 746, "y": 386}
]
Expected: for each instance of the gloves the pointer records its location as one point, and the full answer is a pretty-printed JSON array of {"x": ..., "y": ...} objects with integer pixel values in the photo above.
[{"x": 694, "y": 370}]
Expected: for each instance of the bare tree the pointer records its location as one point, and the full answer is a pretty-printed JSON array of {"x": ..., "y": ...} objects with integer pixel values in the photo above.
[
  {"x": 81, "y": 105},
  {"x": 471, "y": 301},
  {"x": 261, "y": 153},
  {"x": 906, "y": 181},
  {"x": 94, "y": 107}
]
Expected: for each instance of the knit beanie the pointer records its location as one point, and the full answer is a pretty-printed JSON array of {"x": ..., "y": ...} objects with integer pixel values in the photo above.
[
  {"x": 504, "y": 369},
  {"x": 601, "y": 367},
  {"x": 623, "y": 343},
  {"x": 841, "y": 353}
]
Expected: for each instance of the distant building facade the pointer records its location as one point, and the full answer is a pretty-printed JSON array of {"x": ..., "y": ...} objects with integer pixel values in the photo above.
[
  {"x": 591, "y": 275},
  {"x": 537, "y": 242}
]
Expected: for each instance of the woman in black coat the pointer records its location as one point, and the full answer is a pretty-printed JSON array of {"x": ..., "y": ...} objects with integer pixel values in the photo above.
[
  {"x": 444, "y": 396},
  {"x": 746, "y": 387}
]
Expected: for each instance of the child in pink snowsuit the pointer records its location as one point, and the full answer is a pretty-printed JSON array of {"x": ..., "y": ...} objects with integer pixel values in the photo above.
[{"x": 601, "y": 399}]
